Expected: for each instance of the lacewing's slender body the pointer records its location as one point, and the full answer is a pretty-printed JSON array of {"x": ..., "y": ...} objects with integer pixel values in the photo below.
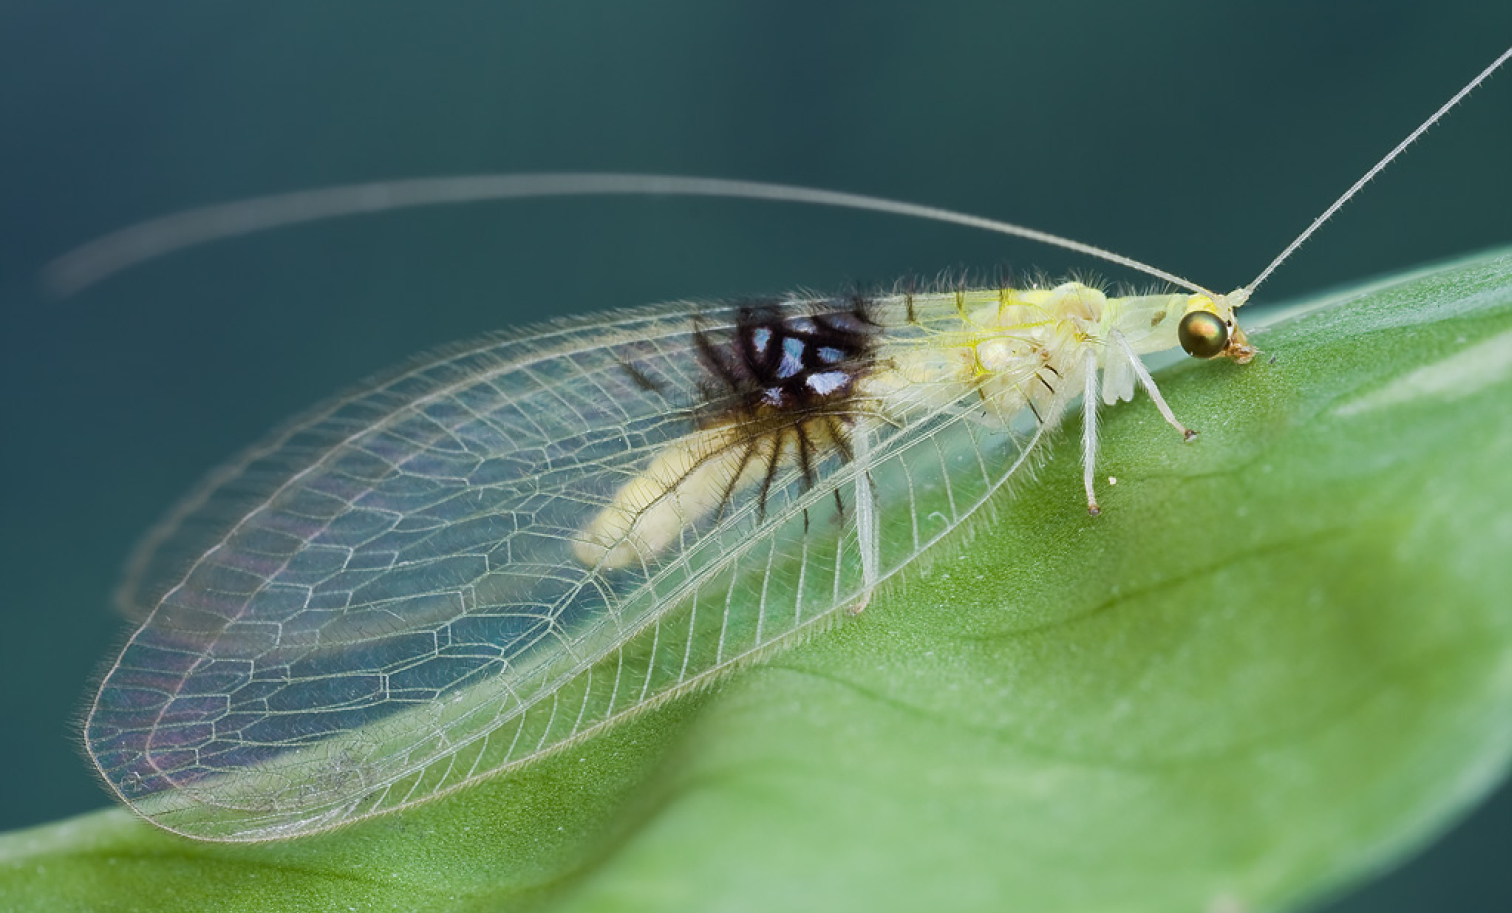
[{"x": 497, "y": 550}]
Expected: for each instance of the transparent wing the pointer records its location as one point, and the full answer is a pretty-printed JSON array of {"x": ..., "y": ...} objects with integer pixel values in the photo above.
[{"x": 393, "y": 601}]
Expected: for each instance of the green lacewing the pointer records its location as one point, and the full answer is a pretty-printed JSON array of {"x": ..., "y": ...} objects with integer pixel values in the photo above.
[{"x": 501, "y": 548}]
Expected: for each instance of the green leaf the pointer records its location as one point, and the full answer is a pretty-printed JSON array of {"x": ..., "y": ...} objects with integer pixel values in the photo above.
[{"x": 1281, "y": 659}]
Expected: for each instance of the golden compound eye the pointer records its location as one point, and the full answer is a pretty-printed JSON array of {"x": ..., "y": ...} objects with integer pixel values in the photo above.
[{"x": 1203, "y": 334}]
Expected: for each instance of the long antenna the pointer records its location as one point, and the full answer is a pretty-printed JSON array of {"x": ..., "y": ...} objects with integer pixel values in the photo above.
[
  {"x": 1375, "y": 170},
  {"x": 105, "y": 256},
  {"x": 99, "y": 259}
]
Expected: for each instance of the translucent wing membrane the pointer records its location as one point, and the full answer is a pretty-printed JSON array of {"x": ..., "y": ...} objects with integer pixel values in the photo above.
[{"x": 492, "y": 553}]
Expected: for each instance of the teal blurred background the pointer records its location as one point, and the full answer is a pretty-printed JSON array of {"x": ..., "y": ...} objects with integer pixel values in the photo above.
[{"x": 1194, "y": 135}]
